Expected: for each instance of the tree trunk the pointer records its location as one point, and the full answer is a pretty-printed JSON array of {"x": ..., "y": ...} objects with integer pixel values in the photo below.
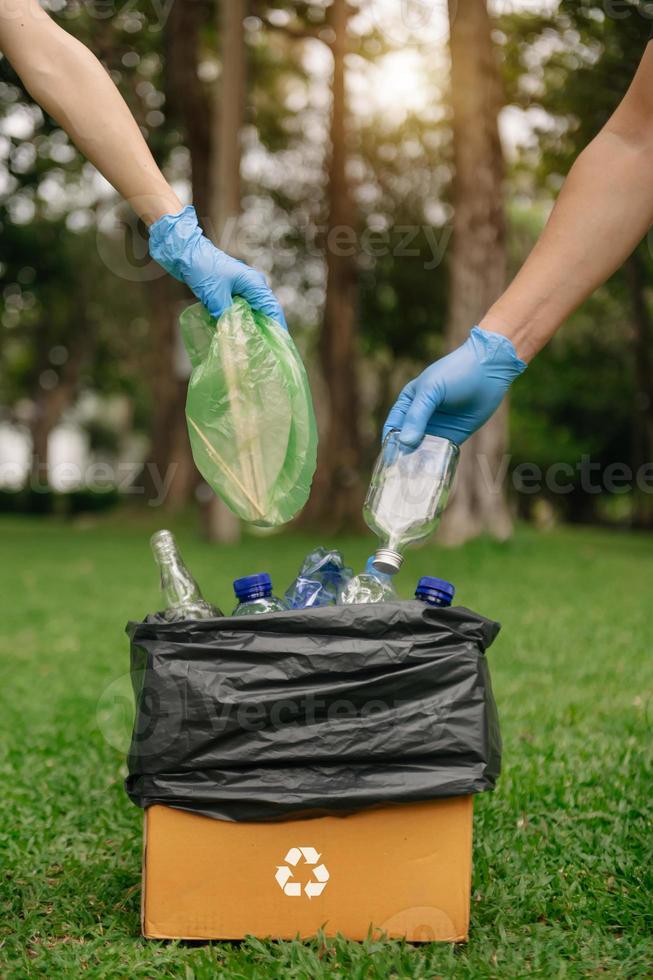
[
  {"x": 337, "y": 492},
  {"x": 643, "y": 407},
  {"x": 170, "y": 451},
  {"x": 478, "y": 262},
  {"x": 186, "y": 96},
  {"x": 170, "y": 457},
  {"x": 228, "y": 120},
  {"x": 228, "y": 117}
]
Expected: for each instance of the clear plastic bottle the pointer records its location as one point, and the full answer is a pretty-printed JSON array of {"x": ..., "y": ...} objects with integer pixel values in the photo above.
[
  {"x": 370, "y": 586},
  {"x": 254, "y": 594},
  {"x": 321, "y": 578},
  {"x": 407, "y": 494},
  {"x": 435, "y": 591},
  {"x": 371, "y": 569},
  {"x": 181, "y": 592}
]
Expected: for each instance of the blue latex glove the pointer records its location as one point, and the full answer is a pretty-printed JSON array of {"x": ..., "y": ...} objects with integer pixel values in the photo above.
[
  {"x": 457, "y": 394},
  {"x": 177, "y": 243}
]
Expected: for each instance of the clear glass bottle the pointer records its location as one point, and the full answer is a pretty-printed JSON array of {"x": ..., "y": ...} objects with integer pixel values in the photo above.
[
  {"x": 254, "y": 594},
  {"x": 181, "y": 592},
  {"x": 370, "y": 586},
  {"x": 435, "y": 591},
  {"x": 407, "y": 494}
]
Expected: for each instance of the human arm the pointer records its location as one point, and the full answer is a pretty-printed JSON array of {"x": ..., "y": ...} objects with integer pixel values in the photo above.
[
  {"x": 69, "y": 82},
  {"x": 603, "y": 211},
  {"x": 71, "y": 85}
]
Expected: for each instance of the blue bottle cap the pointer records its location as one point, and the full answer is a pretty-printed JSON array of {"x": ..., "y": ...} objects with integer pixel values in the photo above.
[
  {"x": 253, "y": 586},
  {"x": 435, "y": 589}
]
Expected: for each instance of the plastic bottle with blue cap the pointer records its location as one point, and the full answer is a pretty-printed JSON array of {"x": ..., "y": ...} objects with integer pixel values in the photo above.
[
  {"x": 254, "y": 594},
  {"x": 435, "y": 591},
  {"x": 370, "y": 586}
]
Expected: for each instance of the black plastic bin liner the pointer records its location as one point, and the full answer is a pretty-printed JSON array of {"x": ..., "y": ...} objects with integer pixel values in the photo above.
[{"x": 312, "y": 711}]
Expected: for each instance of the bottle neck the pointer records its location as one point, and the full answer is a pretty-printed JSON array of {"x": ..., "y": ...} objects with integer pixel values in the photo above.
[{"x": 177, "y": 584}]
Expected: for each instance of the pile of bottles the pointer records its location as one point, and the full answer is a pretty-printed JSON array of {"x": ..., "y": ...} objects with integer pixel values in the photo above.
[
  {"x": 407, "y": 495},
  {"x": 323, "y": 580}
]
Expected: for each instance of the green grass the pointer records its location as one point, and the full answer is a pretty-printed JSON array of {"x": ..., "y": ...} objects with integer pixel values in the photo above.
[{"x": 562, "y": 862}]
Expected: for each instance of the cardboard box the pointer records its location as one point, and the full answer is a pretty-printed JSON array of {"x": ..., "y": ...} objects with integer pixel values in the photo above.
[{"x": 403, "y": 870}]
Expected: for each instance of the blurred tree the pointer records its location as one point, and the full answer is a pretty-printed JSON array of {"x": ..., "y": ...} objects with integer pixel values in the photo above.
[
  {"x": 48, "y": 337},
  {"x": 576, "y": 66},
  {"x": 404, "y": 202},
  {"x": 337, "y": 489},
  {"x": 478, "y": 260},
  {"x": 336, "y": 498},
  {"x": 186, "y": 119},
  {"x": 228, "y": 112},
  {"x": 55, "y": 204},
  {"x": 55, "y": 284}
]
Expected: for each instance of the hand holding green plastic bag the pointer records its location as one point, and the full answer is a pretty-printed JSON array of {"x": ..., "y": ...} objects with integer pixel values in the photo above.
[{"x": 249, "y": 412}]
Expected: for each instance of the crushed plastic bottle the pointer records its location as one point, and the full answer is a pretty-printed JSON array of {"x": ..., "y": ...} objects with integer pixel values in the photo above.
[
  {"x": 321, "y": 578},
  {"x": 249, "y": 412},
  {"x": 254, "y": 594},
  {"x": 407, "y": 494},
  {"x": 435, "y": 591},
  {"x": 181, "y": 592},
  {"x": 368, "y": 587}
]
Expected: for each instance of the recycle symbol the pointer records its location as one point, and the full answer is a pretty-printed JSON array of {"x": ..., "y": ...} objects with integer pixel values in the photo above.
[{"x": 284, "y": 874}]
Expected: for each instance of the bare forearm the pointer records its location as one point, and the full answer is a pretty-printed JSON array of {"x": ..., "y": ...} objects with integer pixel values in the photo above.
[
  {"x": 73, "y": 87},
  {"x": 604, "y": 210}
]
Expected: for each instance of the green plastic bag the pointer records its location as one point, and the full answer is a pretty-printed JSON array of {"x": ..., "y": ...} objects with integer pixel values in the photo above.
[{"x": 249, "y": 412}]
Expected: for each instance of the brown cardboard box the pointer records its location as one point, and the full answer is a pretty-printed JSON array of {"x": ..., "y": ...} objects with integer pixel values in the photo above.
[{"x": 404, "y": 870}]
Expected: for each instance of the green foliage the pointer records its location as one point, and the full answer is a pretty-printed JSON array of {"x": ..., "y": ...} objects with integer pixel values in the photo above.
[
  {"x": 562, "y": 869},
  {"x": 579, "y": 395},
  {"x": 574, "y": 64},
  {"x": 404, "y": 268},
  {"x": 59, "y": 292}
]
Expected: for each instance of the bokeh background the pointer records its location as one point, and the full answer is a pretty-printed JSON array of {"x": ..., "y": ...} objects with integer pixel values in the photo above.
[{"x": 374, "y": 159}]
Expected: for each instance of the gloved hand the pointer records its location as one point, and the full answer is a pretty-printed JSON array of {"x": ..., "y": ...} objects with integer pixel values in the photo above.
[
  {"x": 177, "y": 243},
  {"x": 457, "y": 394}
]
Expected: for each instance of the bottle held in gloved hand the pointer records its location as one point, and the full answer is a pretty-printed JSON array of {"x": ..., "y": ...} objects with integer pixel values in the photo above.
[
  {"x": 435, "y": 591},
  {"x": 181, "y": 592},
  {"x": 407, "y": 494},
  {"x": 370, "y": 586},
  {"x": 321, "y": 578},
  {"x": 254, "y": 594}
]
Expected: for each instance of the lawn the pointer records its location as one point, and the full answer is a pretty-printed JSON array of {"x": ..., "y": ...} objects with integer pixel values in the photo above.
[{"x": 562, "y": 865}]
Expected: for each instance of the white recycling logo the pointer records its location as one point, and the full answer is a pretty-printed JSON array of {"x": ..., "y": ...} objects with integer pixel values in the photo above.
[{"x": 284, "y": 873}]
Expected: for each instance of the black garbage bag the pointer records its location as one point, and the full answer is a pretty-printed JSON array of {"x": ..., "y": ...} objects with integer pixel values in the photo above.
[{"x": 312, "y": 711}]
